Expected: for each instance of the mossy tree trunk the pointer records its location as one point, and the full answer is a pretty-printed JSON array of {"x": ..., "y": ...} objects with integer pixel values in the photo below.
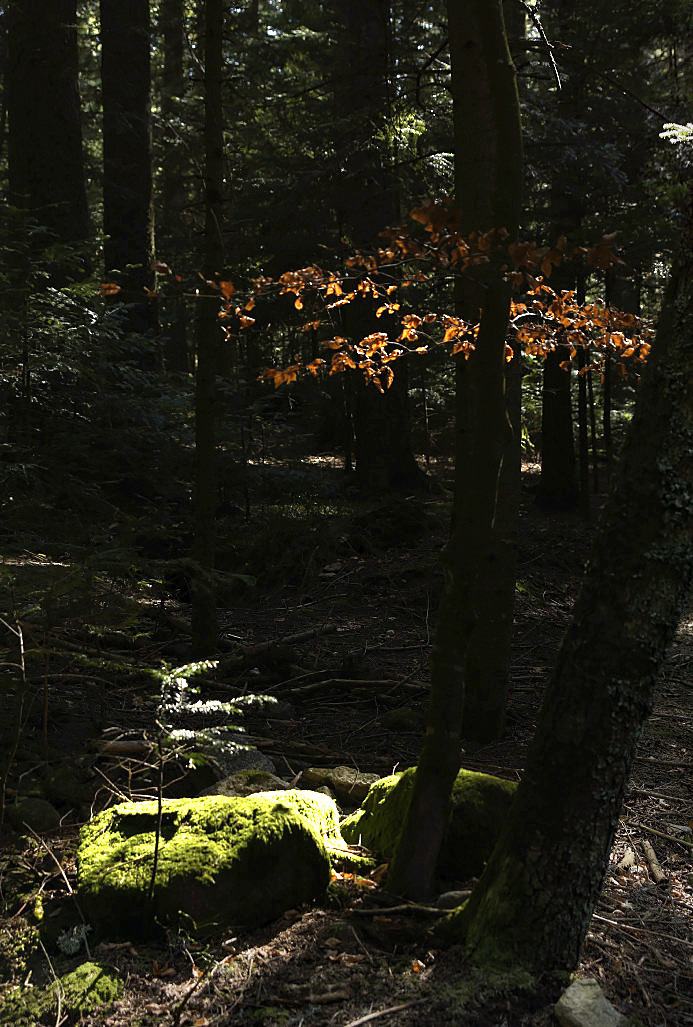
[
  {"x": 204, "y": 621},
  {"x": 487, "y": 185},
  {"x": 534, "y": 901}
]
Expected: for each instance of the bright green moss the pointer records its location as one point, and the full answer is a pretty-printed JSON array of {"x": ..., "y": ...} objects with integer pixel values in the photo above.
[
  {"x": 81, "y": 991},
  {"x": 236, "y": 862},
  {"x": 480, "y": 804}
]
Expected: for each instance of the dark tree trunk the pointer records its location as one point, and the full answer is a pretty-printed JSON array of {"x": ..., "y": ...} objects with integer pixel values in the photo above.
[
  {"x": 487, "y": 668},
  {"x": 46, "y": 171},
  {"x": 557, "y": 487},
  {"x": 172, "y": 242},
  {"x": 366, "y": 204},
  {"x": 534, "y": 901},
  {"x": 204, "y": 626},
  {"x": 127, "y": 154},
  {"x": 487, "y": 185}
]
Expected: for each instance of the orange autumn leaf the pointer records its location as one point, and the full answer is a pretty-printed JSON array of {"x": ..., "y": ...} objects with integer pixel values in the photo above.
[{"x": 109, "y": 289}]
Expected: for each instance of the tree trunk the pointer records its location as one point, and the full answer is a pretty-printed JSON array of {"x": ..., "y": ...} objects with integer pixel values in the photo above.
[
  {"x": 204, "y": 626},
  {"x": 366, "y": 204},
  {"x": 172, "y": 242},
  {"x": 487, "y": 668},
  {"x": 46, "y": 171},
  {"x": 534, "y": 901},
  {"x": 128, "y": 222},
  {"x": 487, "y": 185}
]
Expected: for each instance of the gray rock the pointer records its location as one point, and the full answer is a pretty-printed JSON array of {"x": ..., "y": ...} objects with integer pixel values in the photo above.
[
  {"x": 583, "y": 1004},
  {"x": 36, "y": 813},
  {"x": 452, "y": 899},
  {"x": 65, "y": 784},
  {"x": 246, "y": 782},
  {"x": 349, "y": 785},
  {"x": 248, "y": 759}
]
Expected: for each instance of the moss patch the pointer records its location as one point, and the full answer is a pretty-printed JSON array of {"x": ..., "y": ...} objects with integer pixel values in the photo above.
[
  {"x": 480, "y": 804},
  {"x": 82, "y": 991},
  {"x": 237, "y": 862}
]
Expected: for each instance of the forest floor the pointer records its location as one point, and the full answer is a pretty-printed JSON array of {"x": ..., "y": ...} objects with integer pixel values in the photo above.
[{"x": 338, "y": 628}]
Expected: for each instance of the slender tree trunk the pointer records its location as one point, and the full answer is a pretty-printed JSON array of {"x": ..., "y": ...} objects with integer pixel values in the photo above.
[
  {"x": 127, "y": 154},
  {"x": 172, "y": 243},
  {"x": 487, "y": 185},
  {"x": 204, "y": 626},
  {"x": 534, "y": 901},
  {"x": 367, "y": 203},
  {"x": 487, "y": 669}
]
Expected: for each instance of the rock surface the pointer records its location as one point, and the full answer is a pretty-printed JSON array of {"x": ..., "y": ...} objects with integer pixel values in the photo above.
[
  {"x": 38, "y": 814},
  {"x": 583, "y": 1004},
  {"x": 349, "y": 785},
  {"x": 480, "y": 804},
  {"x": 236, "y": 862},
  {"x": 247, "y": 782}
]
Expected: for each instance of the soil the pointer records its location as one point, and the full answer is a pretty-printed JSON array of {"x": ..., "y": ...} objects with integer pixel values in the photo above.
[{"x": 339, "y": 634}]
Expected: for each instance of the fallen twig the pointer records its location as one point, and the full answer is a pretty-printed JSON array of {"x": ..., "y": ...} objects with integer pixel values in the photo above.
[
  {"x": 411, "y": 908},
  {"x": 659, "y": 834},
  {"x": 642, "y": 930},
  {"x": 384, "y": 1012},
  {"x": 300, "y": 636},
  {"x": 653, "y": 862},
  {"x": 383, "y": 685}
]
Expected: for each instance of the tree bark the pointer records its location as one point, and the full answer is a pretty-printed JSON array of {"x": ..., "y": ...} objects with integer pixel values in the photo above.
[
  {"x": 128, "y": 221},
  {"x": 172, "y": 241},
  {"x": 534, "y": 901},
  {"x": 487, "y": 187},
  {"x": 366, "y": 204},
  {"x": 46, "y": 171},
  {"x": 204, "y": 623}
]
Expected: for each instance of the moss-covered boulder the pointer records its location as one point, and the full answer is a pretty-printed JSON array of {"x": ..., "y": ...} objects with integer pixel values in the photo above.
[
  {"x": 81, "y": 991},
  {"x": 480, "y": 804},
  {"x": 233, "y": 862}
]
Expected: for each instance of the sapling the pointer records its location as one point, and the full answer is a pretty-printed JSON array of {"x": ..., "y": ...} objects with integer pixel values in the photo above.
[{"x": 179, "y": 701}]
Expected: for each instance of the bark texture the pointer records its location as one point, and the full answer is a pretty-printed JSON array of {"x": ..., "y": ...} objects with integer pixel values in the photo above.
[
  {"x": 366, "y": 204},
  {"x": 534, "y": 901},
  {"x": 127, "y": 151},
  {"x": 46, "y": 173},
  {"x": 487, "y": 186},
  {"x": 204, "y": 624}
]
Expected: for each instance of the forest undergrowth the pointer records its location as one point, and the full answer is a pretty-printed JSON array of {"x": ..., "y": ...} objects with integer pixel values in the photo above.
[{"x": 328, "y": 604}]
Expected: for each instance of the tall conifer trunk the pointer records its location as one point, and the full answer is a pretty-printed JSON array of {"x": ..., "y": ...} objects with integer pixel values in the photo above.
[
  {"x": 366, "y": 204},
  {"x": 488, "y": 180},
  {"x": 204, "y": 623},
  {"x": 46, "y": 171},
  {"x": 127, "y": 153}
]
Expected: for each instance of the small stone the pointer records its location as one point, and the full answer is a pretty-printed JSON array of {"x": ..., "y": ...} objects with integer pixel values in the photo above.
[
  {"x": 583, "y": 1004},
  {"x": 452, "y": 899}
]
